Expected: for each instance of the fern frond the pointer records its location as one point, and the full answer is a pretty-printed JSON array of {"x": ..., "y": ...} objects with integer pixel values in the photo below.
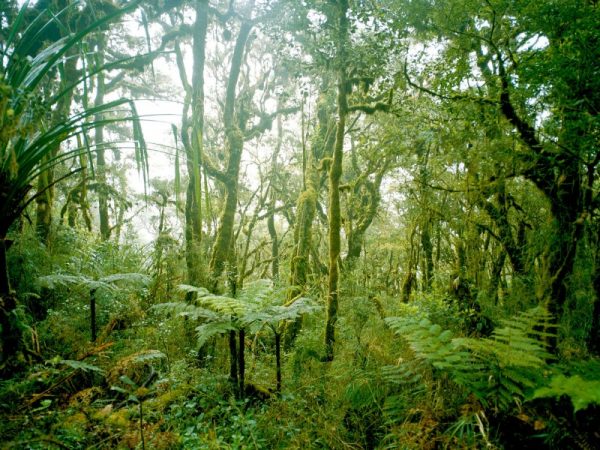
[
  {"x": 428, "y": 341},
  {"x": 133, "y": 278},
  {"x": 225, "y": 305},
  {"x": 514, "y": 356},
  {"x": 403, "y": 374},
  {"x": 183, "y": 309},
  {"x": 107, "y": 283},
  {"x": 52, "y": 281},
  {"x": 277, "y": 313},
  {"x": 188, "y": 289},
  {"x": 257, "y": 304},
  {"x": 520, "y": 342},
  {"x": 497, "y": 369},
  {"x": 149, "y": 355},
  {"x": 211, "y": 329},
  {"x": 258, "y": 292}
]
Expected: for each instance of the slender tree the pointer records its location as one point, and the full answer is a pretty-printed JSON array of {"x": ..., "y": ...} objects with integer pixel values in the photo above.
[{"x": 335, "y": 174}]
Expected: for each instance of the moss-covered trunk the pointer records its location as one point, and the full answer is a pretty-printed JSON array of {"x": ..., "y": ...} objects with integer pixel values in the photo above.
[
  {"x": 427, "y": 247},
  {"x": 306, "y": 209},
  {"x": 273, "y": 202},
  {"x": 335, "y": 174},
  {"x": 369, "y": 198},
  {"x": 45, "y": 182},
  {"x": 321, "y": 146},
  {"x": 99, "y": 141},
  {"x": 192, "y": 138},
  {"x": 222, "y": 249}
]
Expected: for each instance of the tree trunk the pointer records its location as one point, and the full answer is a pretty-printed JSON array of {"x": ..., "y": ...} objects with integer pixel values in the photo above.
[
  {"x": 496, "y": 275},
  {"x": 93, "y": 315},
  {"x": 335, "y": 174},
  {"x": 366, "y": 213},
  {"x": 499, "y": 214},
  {"x": 274, "y": 241},
  {"x": 10, "y": 333},
  {"x": 242, "y": 362},
  {"x": 273, "y": 202},
  {"x": 278, "y": 360},
  {"x": 307, "y": 206},
  {"x": 233, "y": 359},
  {"x": 99, "y": 141},
  {"x": 594, "y": 336},
  {"x": 221, "y": 253},
  {"x": 45, "y": 182},
  {"x": 558, "y": 176},
  {"x": 4, "y": 278},
  {"x": 427, "y": 246},
  {"x": 192, "y": 139}
]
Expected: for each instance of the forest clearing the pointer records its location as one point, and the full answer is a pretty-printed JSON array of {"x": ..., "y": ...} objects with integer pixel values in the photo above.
[{"x": 298, "y": 224}]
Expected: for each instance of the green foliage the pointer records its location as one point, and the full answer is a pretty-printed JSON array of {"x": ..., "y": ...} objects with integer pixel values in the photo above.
[
  {"x": 469, "y": 213},
  {"x": 218, "y": 327},
  {"x": 499, "y": 370},
  {"x": 257, "y": 305},
  {"x": 181, "y": 309},
  {"x": 149, "y": 356},
  {"x": 26, "y": 139},
  {"x": 582, "y": 393},
  {"x": 208, "y": 417},
  {"x": 520, "y": 342},
  {"x": 109, "y": 282},
  {"x": 80, "y": 365}
]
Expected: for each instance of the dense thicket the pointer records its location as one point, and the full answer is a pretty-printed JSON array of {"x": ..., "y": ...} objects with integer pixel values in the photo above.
[{"x": 368, "y": 224}]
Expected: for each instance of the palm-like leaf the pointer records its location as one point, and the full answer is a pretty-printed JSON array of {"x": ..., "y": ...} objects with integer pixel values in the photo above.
[
  {"x": 258, "y": 304},
  {"x": 25, "y": 140},
  {"x": 108, "y": 283}
]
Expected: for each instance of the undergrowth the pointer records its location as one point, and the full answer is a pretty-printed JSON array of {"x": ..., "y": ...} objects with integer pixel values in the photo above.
[{"x": 406, "y": 375}]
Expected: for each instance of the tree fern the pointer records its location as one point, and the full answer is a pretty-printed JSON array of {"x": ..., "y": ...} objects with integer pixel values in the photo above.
[
  {"x": 226, "y": 305},
  {"x": 217, "y": 327},
  {"x": 258, "y": 292},
  {"x": 182, "y": 309},
  {"x": 258, "y": 304},
  {"x": 55, "y": 280},
  {"x": 199, "y": 291},
  {"x": 272, "y": 315}
]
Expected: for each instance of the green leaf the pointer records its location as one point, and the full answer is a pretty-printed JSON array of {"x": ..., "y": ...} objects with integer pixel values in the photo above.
[
  {"x": 435, "y": 329},
  {"x": 125, "y": 379},
  {"x": 119, "y": 390},
  {"x": 79, "y": 365},
  {"x": 44, "y": 404}
]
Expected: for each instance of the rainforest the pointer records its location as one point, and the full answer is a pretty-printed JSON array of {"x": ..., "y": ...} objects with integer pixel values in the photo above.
[{"x": 298, "y": 224}]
